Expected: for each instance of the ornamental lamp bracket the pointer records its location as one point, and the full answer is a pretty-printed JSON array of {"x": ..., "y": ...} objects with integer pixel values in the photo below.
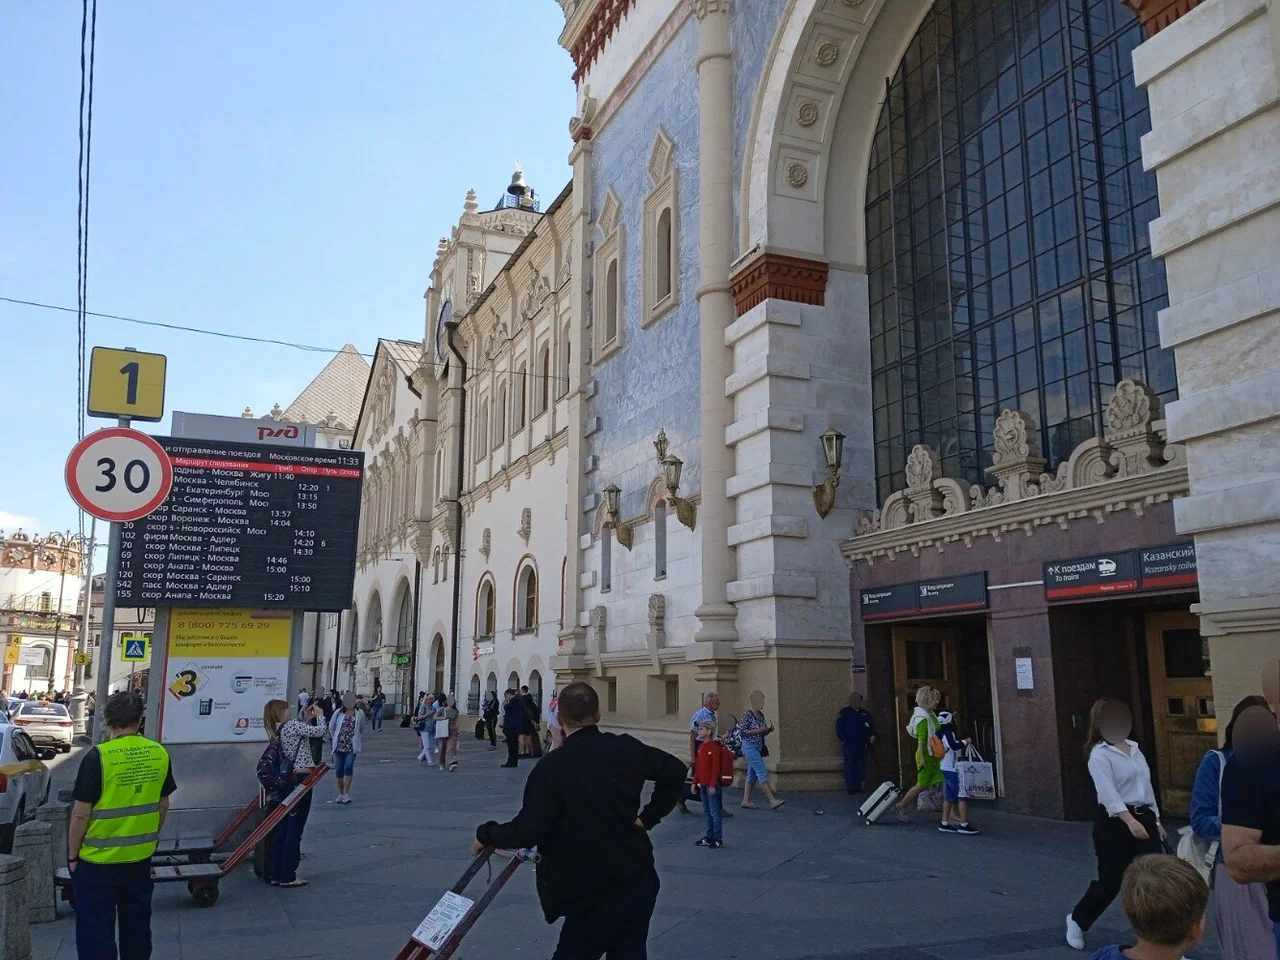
[
  {"x": 686, "y": 511},
  {"x": 824, "y": 494},
  {"x": 624, "y": 532}
]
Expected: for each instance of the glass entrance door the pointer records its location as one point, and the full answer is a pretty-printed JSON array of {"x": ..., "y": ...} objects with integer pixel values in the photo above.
[
  {"x": 921, "y": 656},
  {"x": 1181, "y": 705}
]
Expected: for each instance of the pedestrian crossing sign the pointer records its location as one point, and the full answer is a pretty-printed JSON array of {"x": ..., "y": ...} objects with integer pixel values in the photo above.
[{"x": 133, "y": 648}]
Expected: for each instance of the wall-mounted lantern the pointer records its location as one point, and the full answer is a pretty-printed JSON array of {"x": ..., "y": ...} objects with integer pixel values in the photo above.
[
  {"x": 824, "y": 494},
  {"x": 623, "y": 532},
  {"x": 686, "y": 511}
]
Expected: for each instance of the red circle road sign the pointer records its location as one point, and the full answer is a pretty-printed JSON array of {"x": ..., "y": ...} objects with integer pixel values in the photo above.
[{"x": 118, "y": 474}]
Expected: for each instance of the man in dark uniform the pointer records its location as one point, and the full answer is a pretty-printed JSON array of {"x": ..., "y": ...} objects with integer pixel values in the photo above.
[
  {"x": 582, "y": 811},
  {"x": 121, "y": 797}
]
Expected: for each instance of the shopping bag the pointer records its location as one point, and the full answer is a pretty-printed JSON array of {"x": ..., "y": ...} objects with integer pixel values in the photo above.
[
  {"x": 929, "y": 800},
  {"x": 977, "y": 779},
  {"x": 442, "y": 729}
]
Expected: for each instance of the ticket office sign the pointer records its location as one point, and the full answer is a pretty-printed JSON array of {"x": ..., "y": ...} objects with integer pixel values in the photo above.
[{"x": 221, "y": 667}]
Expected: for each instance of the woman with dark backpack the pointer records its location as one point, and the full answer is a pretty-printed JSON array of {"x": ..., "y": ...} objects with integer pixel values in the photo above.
[{"x": 284, "y": 763}]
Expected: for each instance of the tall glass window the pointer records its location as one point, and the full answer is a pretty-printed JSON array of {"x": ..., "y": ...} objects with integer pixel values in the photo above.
[{"x": 1007, "y": 250}]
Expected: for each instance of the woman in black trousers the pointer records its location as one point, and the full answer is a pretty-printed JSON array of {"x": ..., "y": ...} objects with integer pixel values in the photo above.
[{"x": 1127, "y": 823}]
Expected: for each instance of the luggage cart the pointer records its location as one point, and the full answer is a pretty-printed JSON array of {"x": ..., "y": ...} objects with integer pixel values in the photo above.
[
  {"x": 202, "y": 877},
  {"x": 202, "y": 849},
  {"x": 459, "y": 914}
]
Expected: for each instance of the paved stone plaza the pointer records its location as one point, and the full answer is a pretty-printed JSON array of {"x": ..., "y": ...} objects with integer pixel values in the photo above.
[{"x": 791, "y": 884}]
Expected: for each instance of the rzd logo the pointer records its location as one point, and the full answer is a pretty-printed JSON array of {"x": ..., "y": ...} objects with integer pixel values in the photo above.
[
  {"x": 241, "y": 727},
  {"x": 288, "y": 433}
]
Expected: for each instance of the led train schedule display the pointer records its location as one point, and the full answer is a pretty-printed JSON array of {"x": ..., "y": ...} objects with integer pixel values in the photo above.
[{"x": 247, "y": 525}]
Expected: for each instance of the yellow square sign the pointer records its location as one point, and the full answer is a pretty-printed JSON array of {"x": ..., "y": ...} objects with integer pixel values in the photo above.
[
  {"x": 126, "y": 383},
  {"x": 11, "y": 655}
]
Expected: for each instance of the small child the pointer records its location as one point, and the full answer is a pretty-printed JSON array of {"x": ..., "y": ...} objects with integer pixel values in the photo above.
[
  {"x": 953, "y": 798},
  {"x": 1164, "y": 899},
  {"x": 712, "y": 760}
]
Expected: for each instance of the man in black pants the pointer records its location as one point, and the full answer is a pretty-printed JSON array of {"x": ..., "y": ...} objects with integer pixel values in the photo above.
[
  {"x": 579, "y": 810},
  {"x": 512, "y": 723}
]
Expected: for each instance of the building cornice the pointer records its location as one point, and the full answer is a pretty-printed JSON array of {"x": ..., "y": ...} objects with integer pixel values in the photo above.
[
  {"x": 765, "y": 275},
  {"x": 588, "y": 28},
  {"x": 501, "y": 479},
  {"x": 1155, "y": 15}
]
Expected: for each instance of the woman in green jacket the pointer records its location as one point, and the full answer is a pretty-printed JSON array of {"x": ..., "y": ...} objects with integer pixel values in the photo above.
[{"x": 922, "y": 725}]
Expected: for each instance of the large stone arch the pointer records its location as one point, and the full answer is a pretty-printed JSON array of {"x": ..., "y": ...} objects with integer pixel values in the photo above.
[{"x": 814, "y": 116}]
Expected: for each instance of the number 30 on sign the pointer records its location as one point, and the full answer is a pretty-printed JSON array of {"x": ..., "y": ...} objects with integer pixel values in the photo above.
[{"x": 118, "y": 474}]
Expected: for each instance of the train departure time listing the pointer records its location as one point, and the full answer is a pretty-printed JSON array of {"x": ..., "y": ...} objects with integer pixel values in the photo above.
[{"x": 247, "y": 525}]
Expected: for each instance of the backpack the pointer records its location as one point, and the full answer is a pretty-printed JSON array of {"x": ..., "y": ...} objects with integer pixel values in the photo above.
[
  {"x": 1199, "y": 851},
  {"x": 275, "y": 772}
]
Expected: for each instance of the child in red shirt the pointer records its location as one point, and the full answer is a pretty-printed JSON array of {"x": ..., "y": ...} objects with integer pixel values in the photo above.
[{"x": 713, "y": 760}]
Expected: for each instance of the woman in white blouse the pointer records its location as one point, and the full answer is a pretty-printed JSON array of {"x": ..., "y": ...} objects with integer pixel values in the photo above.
[{"x": 1127, "y": 823}]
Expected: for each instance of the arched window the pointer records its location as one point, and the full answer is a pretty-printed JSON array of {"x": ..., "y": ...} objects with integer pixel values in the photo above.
[
  {"x": 665, "y": 255},
  {"x": 404, "y": 622},
  {"x": 544, "y": 379},
  {"x": 372, "y": 638},
  {"x": 606, "y": 559},
  {"x": 611, "y": 303},
  {"x": 500, "y": 419},
  {"x": 660, "y": 540},
  {"x": 439, "y": 475},
  {"x": 491, "y": 683},
  {"x": 564, "y": 567},
  {"x": 435, "y": 565},
  {"x": 562, "y": 384},
  {"x": 437, "y": 664},
  {"x": 518, "y": 402},
  {"x": 526, "y": 599},
  {"x": 486, "y": 613},
  {"x": 354, "y": 636},
  {"x": 513, "y": 681},
  {"x": 1008, "y": 258}
]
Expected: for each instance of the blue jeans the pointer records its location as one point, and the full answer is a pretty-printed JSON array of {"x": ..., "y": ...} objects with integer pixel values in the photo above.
[
  {"x": 285, "y": 852},
  {"x": 618, "y": 928},
  {"x": 756, "y": 772},
  {"x": 376, "y": 716},
  {"x": 344, "y": 761},
  {"x": 1276, "y": 925},
  {"x": 855, "y": 766},
  {"x": 104, "y": 893},
  {"x": 711, "y": 802}
]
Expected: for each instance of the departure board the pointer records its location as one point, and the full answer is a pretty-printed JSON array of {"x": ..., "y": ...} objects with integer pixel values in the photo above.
[{"x": 247, "y": 525}]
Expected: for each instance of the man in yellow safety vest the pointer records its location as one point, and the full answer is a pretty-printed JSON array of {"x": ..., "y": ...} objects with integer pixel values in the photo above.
[{"x": 121, "y": 797}]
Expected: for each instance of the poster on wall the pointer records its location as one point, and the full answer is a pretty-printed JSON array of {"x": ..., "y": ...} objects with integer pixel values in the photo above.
[{"x": 221, "y": 667}]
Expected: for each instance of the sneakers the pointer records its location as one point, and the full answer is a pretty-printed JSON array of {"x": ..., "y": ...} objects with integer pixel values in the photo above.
[
  {"x": 709, "y": 843},
  {"x": 1075, "y": 936},
  {"x": 948, "y": 828},
  {"x": 345, "y": 798},
  {"x": 453, "y": 766},
  {"x": 967, "y": 830}
]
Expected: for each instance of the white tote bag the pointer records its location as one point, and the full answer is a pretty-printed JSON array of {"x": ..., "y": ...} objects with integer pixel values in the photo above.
[
  {"x": 442, "y": 729},
  {"x": 1201, "y": 852},
  {"x": 977, "y": 779}
]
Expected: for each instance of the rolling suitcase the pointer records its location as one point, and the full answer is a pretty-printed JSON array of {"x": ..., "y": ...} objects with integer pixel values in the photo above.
[{"x": 879, "y": 803}]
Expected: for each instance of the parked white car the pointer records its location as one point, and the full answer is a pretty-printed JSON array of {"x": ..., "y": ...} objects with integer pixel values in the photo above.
[
  {"x": 24, "y": 782},
  {"x": 47, "y": 724}
]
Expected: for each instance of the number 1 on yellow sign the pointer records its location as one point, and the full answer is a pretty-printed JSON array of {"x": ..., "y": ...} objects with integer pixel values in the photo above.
[{"x": 126, "y": 383}]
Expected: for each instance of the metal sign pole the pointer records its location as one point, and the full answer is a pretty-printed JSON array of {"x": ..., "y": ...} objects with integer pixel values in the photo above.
[
  {"x": 76, "y": 706},
  {"x": 108, "y": 627}
]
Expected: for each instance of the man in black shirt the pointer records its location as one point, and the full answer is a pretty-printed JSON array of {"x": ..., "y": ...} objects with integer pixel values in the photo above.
[
  {"x": 580, "y": 811},
  {"x": 1251, "y": 806}
]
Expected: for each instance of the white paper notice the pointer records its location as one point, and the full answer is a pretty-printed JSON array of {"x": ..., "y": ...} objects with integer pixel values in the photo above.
[
  {"x": 441, "y": 921},
  {"x": 1022, "y": 666}
]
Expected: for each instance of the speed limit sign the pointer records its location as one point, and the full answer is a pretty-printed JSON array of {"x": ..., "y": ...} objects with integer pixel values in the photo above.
[{"x": 118, "y": 474}]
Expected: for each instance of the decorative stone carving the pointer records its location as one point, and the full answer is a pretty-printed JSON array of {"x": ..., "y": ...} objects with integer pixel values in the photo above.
[
  {"x": 656, "y": 638},
  {"x": 827, "y": 53},
  {"x": 807, "y": 113},
  {"x": 797, "y": 174},
  {"x": 566, "y": 269},
  {"x": 773, "y": 275},
  {"x": 702, "y": 7},
  {"x": 922, "y": 466},
  {"x": 486, "y": 543},
  {"x": 1132, "y": 449},
  {"x": 853, "y": 3},
  {"x": 660, "y": 156},
  {"x": 526, "y": 525},
  {"x": 596, "y": 637}
]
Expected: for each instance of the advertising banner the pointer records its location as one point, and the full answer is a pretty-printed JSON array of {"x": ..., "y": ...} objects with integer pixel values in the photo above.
[{"x": 221, "y": 668}]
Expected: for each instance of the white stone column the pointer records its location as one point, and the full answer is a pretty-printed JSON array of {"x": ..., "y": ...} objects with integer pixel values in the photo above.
[
  {"x": 1211, "y": 77},
  {"x": 570, "y": 662},
  {"x": 716, "y": 616}
]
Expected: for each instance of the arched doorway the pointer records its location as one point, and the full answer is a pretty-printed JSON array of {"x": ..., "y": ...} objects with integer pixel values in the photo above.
[
  {"x": 491, "y": 684},
  {"x": 513, "y": 681},
  {"x": 437, "y": 664},
  {"x": 353, "y": 638},
  {"x": 473, "y": 696},
  {"x": 535, "y": 689},
  {"x": 404, "y": 641}
]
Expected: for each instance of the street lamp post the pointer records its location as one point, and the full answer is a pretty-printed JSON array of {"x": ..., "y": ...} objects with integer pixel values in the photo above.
[{"x": 75, "y": 706}]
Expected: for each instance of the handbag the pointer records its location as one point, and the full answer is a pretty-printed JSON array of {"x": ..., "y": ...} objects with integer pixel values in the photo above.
[
  {"x": 1201, "y": 852},
  {"x": 977, "y": 779},
  {"x": 442, "y": 729}
]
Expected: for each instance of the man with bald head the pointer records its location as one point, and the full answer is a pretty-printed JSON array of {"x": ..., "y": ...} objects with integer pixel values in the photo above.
[{"x": 706, "y": 714}]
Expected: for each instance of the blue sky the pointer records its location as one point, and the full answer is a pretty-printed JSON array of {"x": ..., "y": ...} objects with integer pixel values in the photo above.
[{"x": 280, "y": 169}]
